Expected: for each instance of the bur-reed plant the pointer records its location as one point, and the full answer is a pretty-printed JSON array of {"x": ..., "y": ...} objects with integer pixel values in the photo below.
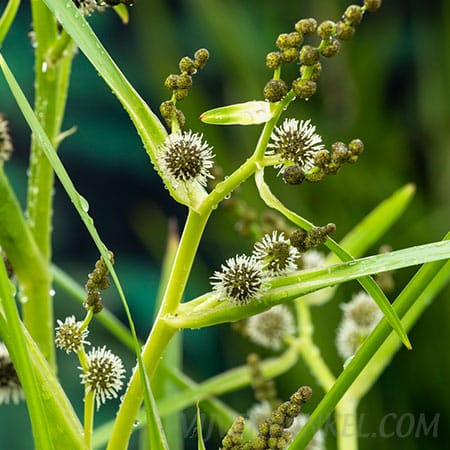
[{"x": 267, "y": 294}]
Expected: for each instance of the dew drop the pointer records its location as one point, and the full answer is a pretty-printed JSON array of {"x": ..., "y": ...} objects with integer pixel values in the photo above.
[
  {"x": 51, "y": 292},
  {"x": 44, "y": 66},
  {"x": 84, "y": 204}
]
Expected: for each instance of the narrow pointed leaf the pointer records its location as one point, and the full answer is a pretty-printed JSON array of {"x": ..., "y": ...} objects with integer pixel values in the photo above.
[
  {"x": 248, "y": 113},
  {"x": 201, "y": 442},
  {"x": 18, "y": 349}
]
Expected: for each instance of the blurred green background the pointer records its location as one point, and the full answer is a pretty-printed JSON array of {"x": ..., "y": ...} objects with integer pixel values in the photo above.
[{"x": 388, "y": 86}]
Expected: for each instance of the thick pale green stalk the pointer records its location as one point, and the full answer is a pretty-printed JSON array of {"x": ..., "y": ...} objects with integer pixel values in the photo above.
[
  {"x": 15, "y": 340},
  {"x": 51, "y": 90},
  {"x": 26, "y": 259},
  {"x": 347, "y": 424},
  {"x": 308, "y": 349},
  {"x": 161, "y": 332}
]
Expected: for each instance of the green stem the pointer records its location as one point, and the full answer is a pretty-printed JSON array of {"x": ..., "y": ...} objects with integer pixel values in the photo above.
[
  {"x": 18, "y": 242},
  {"x": 51, "y": 92},
  {"x": 89, "y": 402},
  {"x": 7, "y": 18},
  {"x": 309, "y": 350},
  {"x": 347, "y": 424},
  {"x": 161, "y": 332}
]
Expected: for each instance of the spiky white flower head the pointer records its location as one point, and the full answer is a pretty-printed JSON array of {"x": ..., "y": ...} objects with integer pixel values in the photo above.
[
  {"x": 87, "y": 7},
  {"x": 276, "y": 254},
  {"x": 269, "y": 328},
  {"x": 362, "y": 310},
  {"x": 103, "y": 375},
  {"x": 10, "y": 387},
  {"x": 69, "y": 336},
  {"x": 349, "y": 338},
  {"x": 258, "y": 413},
  {"x": 296, "y": 141},
  {"x": 360, "y": 317},
  {"x": 313, "y": 259},
  {"x": 241, "y": 279},
  {"x": 185, "y": 158},
  {"x": 318, "y": 440}
]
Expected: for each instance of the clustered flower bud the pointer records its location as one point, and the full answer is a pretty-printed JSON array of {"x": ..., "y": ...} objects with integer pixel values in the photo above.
[
  {"x": 298, "y": 144},
  {"x": 97, "y": 280},
  {"x": 290, "y": 48},
  {"x": 6, "y": 147},
  {"x": 263, "y": 388},
  {"x": 180, "y": 84},
  {"x": 273, "y": 431},
  {"x": 306, "y": 240}
]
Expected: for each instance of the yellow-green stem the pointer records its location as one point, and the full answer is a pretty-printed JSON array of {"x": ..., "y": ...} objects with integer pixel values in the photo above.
[
  {"x": 89, "y": 402},
  {"x": 347, "y": 424},
  {"x": 309, "y": 350},
  {"x": 161, "y": 332}
]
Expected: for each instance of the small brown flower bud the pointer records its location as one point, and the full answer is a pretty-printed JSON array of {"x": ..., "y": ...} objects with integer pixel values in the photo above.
[
  {"x": 353, "y": 14},
  {"x": 171, "y": 82},
  {"x": 275, "y": 90},
  {"x": 289, "y": 54},
  {"x": 326, "y": 29},
  {"x": 273, "y": 60},
  {"x": 340, "y": 152},
  {"x": 200, "y": 57},
  {"x": 187, "y": 65},
  {"x": 344, "y": 30},
  {"x": 167, "y": 108},
  {"x": 294, "y": 39},
  {"x": 304, "y": 88},
  {"x": 293, "y": 175},
  {"x": 309, "y": 55},
  {"x": 184, "y": 81},
  {"x": 330, "y": 48},
  {"x": 356, "y": 146},
  {"x": 372, "y": 5},
  {"x": 306, "y": 26},
  {"x": 282, "y": 41}
]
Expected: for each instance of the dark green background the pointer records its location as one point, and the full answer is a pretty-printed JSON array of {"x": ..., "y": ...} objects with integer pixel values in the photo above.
[{"x": 388, "y": 86}]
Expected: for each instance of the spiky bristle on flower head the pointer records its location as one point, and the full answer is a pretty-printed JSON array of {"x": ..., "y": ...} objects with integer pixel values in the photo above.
[
  {"x": 269, "y": 328},
  {"x": 69, "y": 336},
  {"x": 241, "y": 279},
  {"x": 362, "y": 310},
  {"x": 276, "y": 254},
  {"x": 296, "y": 141},
  {"x": 103, "y": 375},
  {"x": 185, "y": 158},
  {"x": 10, "y": 387}
]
